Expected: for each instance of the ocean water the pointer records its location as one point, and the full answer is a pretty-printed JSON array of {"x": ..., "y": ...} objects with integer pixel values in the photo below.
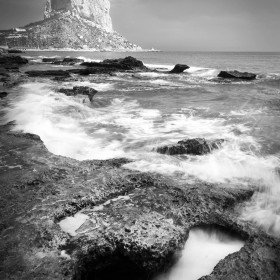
[{"x": 132, "y": 114}]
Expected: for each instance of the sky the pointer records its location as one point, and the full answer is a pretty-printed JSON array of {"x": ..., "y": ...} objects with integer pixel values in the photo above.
[{"x": 178, "y": 25}]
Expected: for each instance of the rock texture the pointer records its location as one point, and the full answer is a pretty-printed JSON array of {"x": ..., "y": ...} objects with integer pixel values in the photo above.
[
  {"x": 136, "y": 222},
  {"x": 96, "y": 11},
  {"x": 76, "y": 24},
  {"x": 197, "y": 146}
]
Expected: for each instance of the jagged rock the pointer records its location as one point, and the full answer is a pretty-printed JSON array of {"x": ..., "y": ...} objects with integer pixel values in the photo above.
[
  {"x": 77, "y": 24},
  {"x": 48, "y": 73},
  {"x": 127, "y": 63},
  {"x": 90, "y": 92},
  {"x": 179, "y": 68},
  {"x": 137, "y": 222},
  {"x": 12, "y": 60},
  {"x": 197, "y": 146},
  {"x": 3, "y": 94},
  {"x": 96, "y": 11},
  {"x": 237, "y": 75}
]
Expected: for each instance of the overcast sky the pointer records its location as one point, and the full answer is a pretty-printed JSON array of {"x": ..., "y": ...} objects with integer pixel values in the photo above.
[{"x": 191, "y": 25}]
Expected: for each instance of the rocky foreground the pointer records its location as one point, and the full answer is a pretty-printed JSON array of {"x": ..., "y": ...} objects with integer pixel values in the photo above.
[{"x": 135, "y": 224}]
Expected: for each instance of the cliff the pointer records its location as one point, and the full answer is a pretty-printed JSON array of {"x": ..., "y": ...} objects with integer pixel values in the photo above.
[{"x": 75, "y": 24}]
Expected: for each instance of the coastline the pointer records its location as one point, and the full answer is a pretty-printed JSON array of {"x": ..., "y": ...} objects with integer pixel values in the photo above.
[{"x": 138, "y": 221}]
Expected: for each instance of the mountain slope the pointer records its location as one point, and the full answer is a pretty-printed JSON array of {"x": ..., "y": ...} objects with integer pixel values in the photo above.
[{"x": 75, "y": 24}]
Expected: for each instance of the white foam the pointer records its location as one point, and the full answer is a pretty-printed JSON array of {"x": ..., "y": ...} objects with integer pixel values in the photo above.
[
  {"x": 120, "y": 127},
  {"x": 202, "y": 252},
  {"x": 163, "y": 67},
  {"x": 86, "y": 59}
]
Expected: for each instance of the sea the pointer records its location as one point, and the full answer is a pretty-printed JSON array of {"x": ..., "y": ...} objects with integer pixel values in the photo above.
[{"x": 134, "y": 113}]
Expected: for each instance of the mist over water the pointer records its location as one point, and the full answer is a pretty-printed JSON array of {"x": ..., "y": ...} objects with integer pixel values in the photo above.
[
  {"x": 132, "y": 114},
  {"x": 203, "y": 250}
]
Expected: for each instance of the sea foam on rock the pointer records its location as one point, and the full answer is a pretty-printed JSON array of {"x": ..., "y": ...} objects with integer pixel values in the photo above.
[{"x": 197, "y": 146}]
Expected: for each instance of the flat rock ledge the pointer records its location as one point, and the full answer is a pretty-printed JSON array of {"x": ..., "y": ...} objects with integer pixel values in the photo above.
[
  {"x": 197, "y": 146},
  {"x": 137, "y": 222}
]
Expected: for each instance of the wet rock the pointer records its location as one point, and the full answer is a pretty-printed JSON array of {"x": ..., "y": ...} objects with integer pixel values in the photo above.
[
  {"x": 237, "y": 75},
  {"x": 122, "y": 64},
  {"x": 197, "y": 146},
  {"x": 3, "y": 94},
  {"x": 12, "y": 60},
  {"x": 51, "y": 59},
  {"x": 48, "y": 73},
  {"x": 137, "y": 222},
  {"x": 90, "y": 92},
  {"x": 179, "y": 68},
  {"x": 69, "y": 61}
]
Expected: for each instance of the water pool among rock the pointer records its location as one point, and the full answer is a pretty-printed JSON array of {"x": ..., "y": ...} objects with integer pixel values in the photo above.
[{"x": 205, "y": 247}]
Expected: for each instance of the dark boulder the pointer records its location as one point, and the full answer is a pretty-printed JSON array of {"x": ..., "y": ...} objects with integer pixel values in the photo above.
[
  {"x": 90, "y": 92},
  {"x": 179, "y": 68},
  {"x": 12, "y": 60},
  {"x": 197, "y": 146},
  {"x": 237, "y": 75},
  {"x": 48, "y": 73},
  {"x": 3, "y": 94},
  {"x": 128, "y": 63}
]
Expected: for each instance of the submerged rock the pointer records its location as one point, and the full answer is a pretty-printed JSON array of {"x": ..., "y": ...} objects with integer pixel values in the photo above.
[
  {"x": 237, "y": 75},
  {"x": 197, "y": 146},
  {"x": 179, "y": 68},
  {"x": 90, "y": 92},
  {"x": 127, "y": 63}
]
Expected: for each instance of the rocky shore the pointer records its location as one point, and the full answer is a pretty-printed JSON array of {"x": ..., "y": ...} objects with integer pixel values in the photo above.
[{"x": 134, "y": 224}]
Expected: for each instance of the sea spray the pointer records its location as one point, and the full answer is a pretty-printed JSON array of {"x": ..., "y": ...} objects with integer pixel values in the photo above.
[{"x": 121, "y": 123}]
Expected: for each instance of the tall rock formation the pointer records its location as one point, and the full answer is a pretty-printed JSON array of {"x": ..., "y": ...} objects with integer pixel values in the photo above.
[
  {"x": 96, "y": 11},
  {"x": 75, "y": 24}
]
